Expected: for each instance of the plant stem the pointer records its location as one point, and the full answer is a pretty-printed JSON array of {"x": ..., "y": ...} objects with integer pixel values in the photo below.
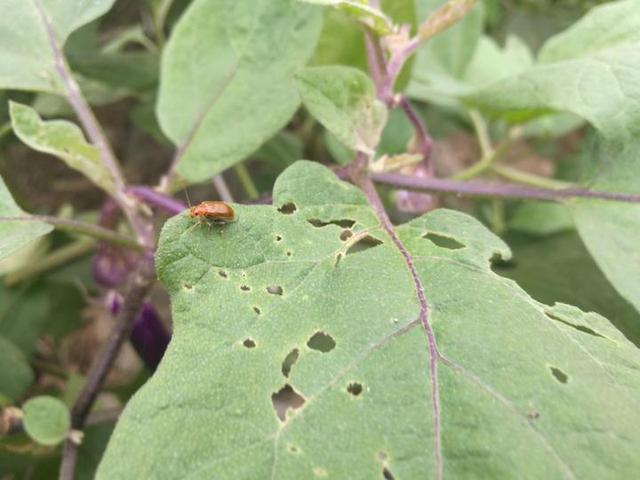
[
  {"x": 137, "y": 290},
  {"x": 53, "y": 260},
  {"x": 246, "y": 181},
  {"x": 75, "y": 226},
  {"x": 92, "y": 127},
  {"x": 526, "y": 178},
  {"x": 359, "y": 176},
  {"x": 424, "y": 143},
  {"x": 5, "y": 128},
  {"x": 479, "y": 189},
  {"x": 222, "y": 188},
  {"x": 443, "y": 18},
  {"x": 482, "y": 133},
  {"x": 157, "y": 199}
]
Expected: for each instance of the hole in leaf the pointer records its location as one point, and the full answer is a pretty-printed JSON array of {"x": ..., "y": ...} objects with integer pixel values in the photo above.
[
  {"x": 580, "y": 328},
  {"x": 187, "y": 286},
  {"x": 257, "y": 310},
  {"x": 286, "y": 399},
  {"x": 443, "y": 241},
  {"x": 559, "y": 375},
  {"x": 223, "y": 274},
  {"x": 363, "y": 244},
  {"x": 386, "y": 474},
  {"x": 533, "y": 414},
  {"x": 245, "y": 288},
  {"x": 346, "y": 235},
  {"x": 278, "y": 238},
  {"x": 249, "y": 343},
  {"x": 320, "y": 472},
  {"x": 345, "y": 223},
  {"x": 355, "y": 389},
  {"x": 289, "y": 361},
  {"x": 292, "y": 448},
  {"x": 274, "y": 289},
  {"x": 288, "y": 208},
  {"x": 321, "y": 342},
  {"x": 288, "y": 254}
]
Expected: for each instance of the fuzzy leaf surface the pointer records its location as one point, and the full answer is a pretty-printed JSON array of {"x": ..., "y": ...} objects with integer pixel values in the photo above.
[
  {"x": 602, "y": 49},
  {"x": 27, "y": 30},
  {"x": 46, "y": 419},
  {"x": 285, "y": 300},
  {"x": 343, "y": 99},
  {"x": 62, "y": 139},
  {"x": 226, "y": 81}
]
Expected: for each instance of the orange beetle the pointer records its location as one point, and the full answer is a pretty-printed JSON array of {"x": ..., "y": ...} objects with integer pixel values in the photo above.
[{"x": 213, "y": 211}]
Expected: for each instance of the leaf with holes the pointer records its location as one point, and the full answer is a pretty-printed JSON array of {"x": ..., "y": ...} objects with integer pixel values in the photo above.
[
  {"x": 298, "y": 353},
  {"x": 226, "y": 82},
  {"x": 62, "y": 139},
  {"x": 343, "y": 99},
  {"x": 33, "y": 33},
  {"x": 14, "y": 235}
]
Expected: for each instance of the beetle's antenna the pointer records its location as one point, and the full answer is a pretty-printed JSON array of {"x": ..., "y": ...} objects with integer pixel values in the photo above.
[{"x": 186, "y": 192}]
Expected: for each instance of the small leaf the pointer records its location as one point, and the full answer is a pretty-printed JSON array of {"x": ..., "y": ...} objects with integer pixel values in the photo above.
[
  {"x": 62, "y": 139},
  {"x": 226, "y": 83},
  {"x": 369, "y": 16},
  {"x": 46, "y": 420},
  {"x": 16, "y": 374},
  {"x": 14, "y": 235},
  {"x": 29, "y": 27},
  {"x": 343, "y": 100}
]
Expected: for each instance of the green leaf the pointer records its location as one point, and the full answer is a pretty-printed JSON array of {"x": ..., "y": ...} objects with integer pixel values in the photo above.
[
  {"x": 441, "y": 63},
  {"x": 343, "y": 99},
  {"x": 46, "y": 420},
  {"x": 62, "y": 139},
  {"x": 369, "y": 16},
  {"x": 572, "y": 68},
  {"x": 29, "y": 30},
  {"x": 342, "y": 40},
  {"x": 227, "y": 78},
  {"x": 15, "y": 374},
  {"x": 308, "y": 304},
  {"x": 601, "y": 49},
  {"x": 24, "y": 313},
  {"x": 558, "y": 268},
  {"x": 611, "y": 231},
  {"x": 15, "y": 235}
]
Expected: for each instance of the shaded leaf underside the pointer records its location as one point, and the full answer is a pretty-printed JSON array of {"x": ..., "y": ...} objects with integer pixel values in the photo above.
[{"x": 525, "y": 390}]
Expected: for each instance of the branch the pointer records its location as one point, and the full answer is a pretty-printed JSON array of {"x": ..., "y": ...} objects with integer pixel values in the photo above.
[
  {"x": 443, "y": 18},
  {"x": 83, "y": 228},
  {"x": 138, "y": 289},
  {"x": 53, "y": 260},
  {"x": 91, "y": 126},
  {"x": 424, "y": 143},
  {"x": 479, "y": 189}
]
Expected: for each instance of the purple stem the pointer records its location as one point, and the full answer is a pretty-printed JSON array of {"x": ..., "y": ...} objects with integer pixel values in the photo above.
[
  {"x": 157, "y": 199},
  {"x": 423, "y": 139},
  {"x": 359, "y": 176},
  {"x": 479, "y": 189}
]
